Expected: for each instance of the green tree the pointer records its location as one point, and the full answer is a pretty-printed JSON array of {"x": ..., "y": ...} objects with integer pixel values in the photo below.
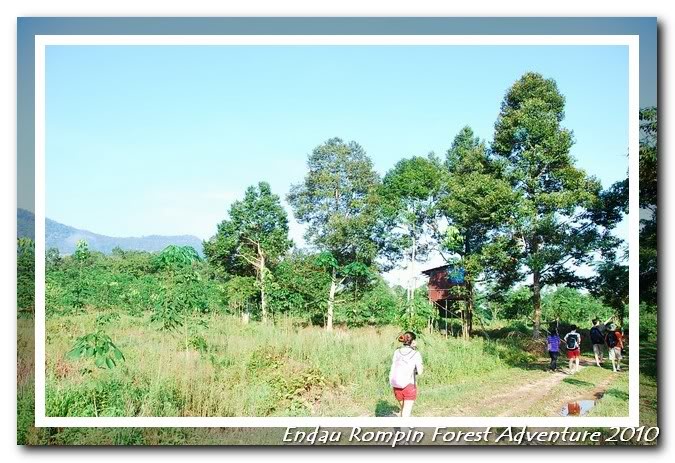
[
  {"x": 409, "y": 194},
  {"x": 175, "y": 262},
  {"x": 555, "y": 232},
  {"x": 299, "y": 286},
  {"x": 478, "y": 203},
  {"x": 611, "y": 286},
  {"x": 569, "y": 305},
  {"x": 252, "y": 239},
  {"x": 25, "y": 275},
  {"x": 178, "y": 296},
  {"x": 648, "y": 205},
  {"x": 53, "y": 259},
  {"x": 338, "y": 201},
  {"x": 83, "y": 258}
]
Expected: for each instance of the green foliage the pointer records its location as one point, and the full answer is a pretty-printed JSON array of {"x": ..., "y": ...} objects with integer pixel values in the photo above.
[
  {"x": 81, "y": 287},
  {"x": 53, "y": 259},
  {"x": 199, "y": 343},
  {"x": 515, "y": 303},
  {"x": 98, "y": 346},
  {"x": 611, "y": 286},
  {"x": 573, "y": 307},
  {"x": 252, "y": 240},
  {"x": 378, "y": 305},
  {"x": 257, "y": 227},
  {"x": 554, "y": 229},
  {"x": 415, "y": 316},
  {"x": 239, "y": 290},
  {"x": 171, "y": 307},
  {"x": 107, "y": 318},
  {"x": 338, "y": 201},
  {"x": 180, "y": 291},
  {"x": 648, "y": 203},
  {"x": 409, "y": 195},
  {"x": 648, "y": 323},
  {"x": 133, "y": 280},
  {"x": 25, "y": 275},
  {"x": 478, "y": 202},
  {"x": 299, "y": 286},
  {"x": 173, "y": 258}
]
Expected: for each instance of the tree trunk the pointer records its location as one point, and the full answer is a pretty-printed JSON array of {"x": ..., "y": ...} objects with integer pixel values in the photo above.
[
  {"x": 263, "y": 297},
  {"x": 411, "y": 281},
  {"x": 331, "y": 300},
  {"x": 468, "y": 315},
  {"x": 467, "y": 319},
  {"x": 536, "y": 299}
]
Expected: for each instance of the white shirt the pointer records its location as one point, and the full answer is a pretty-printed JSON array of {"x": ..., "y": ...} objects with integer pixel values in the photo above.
[{"x": 404, "y": 365}]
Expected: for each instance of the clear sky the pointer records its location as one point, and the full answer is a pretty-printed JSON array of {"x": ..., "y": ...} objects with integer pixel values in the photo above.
[{"x": 161, "y": 139}]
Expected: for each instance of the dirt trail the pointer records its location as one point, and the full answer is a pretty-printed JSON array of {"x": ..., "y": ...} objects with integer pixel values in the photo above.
[
  {"x": 537, "y": 393},
  {"x": 518, "y": 401}
]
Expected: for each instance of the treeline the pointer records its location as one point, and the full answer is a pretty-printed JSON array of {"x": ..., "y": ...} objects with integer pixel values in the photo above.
[
  {"x": 516, "y": 214},
  {"x": 514, "y": 211},
  {"x": 175, "y": 283}
]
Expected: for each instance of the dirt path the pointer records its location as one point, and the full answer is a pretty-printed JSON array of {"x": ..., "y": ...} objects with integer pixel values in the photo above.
[
  {"x": 518, "y": 401},
  {"x": 536, "y": 392},
  {"x": 515, "y": 402},
  {"x": 539, "y": 392}
]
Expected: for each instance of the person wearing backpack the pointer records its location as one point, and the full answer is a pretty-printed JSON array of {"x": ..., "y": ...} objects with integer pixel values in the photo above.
[
  {"x": 406, "y": 364},
  {"x": 598, "y": 341},
  {"x": 553, "y": 342},
  {"x": 614, "y": 341},
  {"x": 573, "y": 344}
]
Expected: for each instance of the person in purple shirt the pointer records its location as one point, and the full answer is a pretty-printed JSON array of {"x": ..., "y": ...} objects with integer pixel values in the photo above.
[{"x": 553, "y": 341}]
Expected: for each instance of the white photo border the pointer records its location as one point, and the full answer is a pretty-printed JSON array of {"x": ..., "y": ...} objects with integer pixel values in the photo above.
[{"x": 42, "y": 41}]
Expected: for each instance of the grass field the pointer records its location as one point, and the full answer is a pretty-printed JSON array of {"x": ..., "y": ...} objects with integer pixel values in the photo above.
[
  {"x": 231, "y": 369},
  {"x": 243, "y": 368}
]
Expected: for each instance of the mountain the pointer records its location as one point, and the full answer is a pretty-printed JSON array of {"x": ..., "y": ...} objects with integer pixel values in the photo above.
[{"x": 65, "y": 238}]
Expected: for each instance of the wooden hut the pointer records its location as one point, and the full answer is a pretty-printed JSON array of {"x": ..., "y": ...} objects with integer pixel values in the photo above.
[{"x": 446, "y": 293}]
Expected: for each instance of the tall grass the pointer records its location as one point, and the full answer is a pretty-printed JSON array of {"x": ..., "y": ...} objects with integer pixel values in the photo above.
[{"x": 232, "y": 369}]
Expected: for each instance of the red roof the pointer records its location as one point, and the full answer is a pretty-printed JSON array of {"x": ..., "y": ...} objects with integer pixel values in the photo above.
[{"x": 431, "y": 270}]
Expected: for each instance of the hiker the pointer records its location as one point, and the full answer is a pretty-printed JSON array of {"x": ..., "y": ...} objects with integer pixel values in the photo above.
[
  {"x": 405, "y": 366},
  {"x": 614, "y": 341},
  {"x": 573, "y": 343},
  {"x": 553, "y": 340},
  {"x": 598, "y": 341}
]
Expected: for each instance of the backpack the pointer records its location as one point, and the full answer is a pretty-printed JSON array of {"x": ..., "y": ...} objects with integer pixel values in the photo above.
[
  {"x": 611, "y": 339},
  {"x": 572, "y": 341},
  {"x": 596, "y": 335},
  {"x": 403, "y": 369}
]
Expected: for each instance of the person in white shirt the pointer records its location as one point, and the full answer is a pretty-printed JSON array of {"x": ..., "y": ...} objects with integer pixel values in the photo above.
[{"x": 406, "y": 364}]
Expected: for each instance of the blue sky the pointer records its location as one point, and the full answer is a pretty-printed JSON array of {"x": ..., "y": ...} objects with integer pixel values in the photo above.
[{"x": 160, "y": 140}]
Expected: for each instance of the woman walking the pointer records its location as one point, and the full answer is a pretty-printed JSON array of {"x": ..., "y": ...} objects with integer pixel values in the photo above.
[{"x": 405, "y": 366}]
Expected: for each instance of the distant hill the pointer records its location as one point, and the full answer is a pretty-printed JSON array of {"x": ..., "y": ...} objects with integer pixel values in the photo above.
[{"x": 64, "y": 237}]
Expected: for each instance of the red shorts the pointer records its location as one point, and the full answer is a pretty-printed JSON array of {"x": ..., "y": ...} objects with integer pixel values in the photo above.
[
  {"x": 407, "y": 393},
  {"x": 572, "y": 354}
]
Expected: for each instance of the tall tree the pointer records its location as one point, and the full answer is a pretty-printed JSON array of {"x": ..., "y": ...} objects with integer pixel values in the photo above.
[
  {"x": 610, "y": 283},
  {"x": 252, "y": 239},
  {"x": 478, "y": 203},
  {"x": 338, "y": 201},
  {"x": 410, "y": 192},
  {"x": 555, "y": 228},
  {"x": 648, "y": 205}
]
